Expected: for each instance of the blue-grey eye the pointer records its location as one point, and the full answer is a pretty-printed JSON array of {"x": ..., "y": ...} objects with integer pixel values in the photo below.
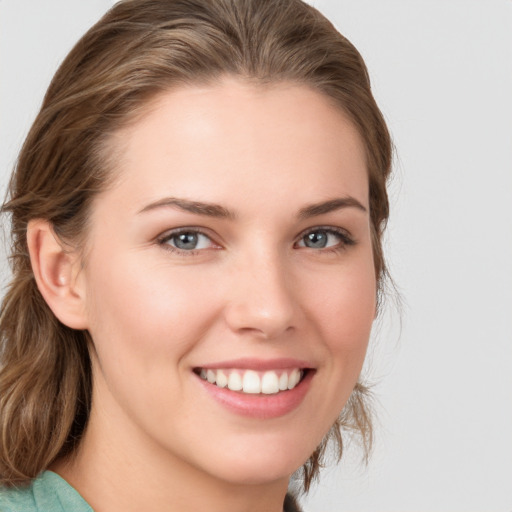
[
  {"x": 189, "y": 241},
  {"x": 185, "y": 241},
  {"x": 316, "y": 240},
  {"x": 320, "y": 239}
]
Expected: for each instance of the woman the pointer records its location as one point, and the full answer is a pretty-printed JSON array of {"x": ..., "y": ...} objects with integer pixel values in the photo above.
[{"x": 197, "y": 216}]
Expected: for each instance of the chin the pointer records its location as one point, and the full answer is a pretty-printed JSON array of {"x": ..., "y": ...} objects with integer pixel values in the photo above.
[
  {"x": 256, "y": 474},
  {"x": 259, "y": 465}
]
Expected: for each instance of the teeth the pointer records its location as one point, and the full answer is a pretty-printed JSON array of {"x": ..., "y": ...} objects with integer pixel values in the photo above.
[
  {"x": 221, "y": 380},
  {"x": 252, "y": 382},
  {"x": 293, "y": 379},
  {"x": 235, "y": 381},
  {"x": 283, "y": 381},
  {"x": 270, "y": 383}
]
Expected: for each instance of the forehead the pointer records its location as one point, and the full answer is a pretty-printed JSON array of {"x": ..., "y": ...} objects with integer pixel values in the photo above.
[{"x": 201, "y": 141}]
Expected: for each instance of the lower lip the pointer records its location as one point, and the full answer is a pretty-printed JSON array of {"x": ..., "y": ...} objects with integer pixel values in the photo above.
[{"x": 260, "y": 406}]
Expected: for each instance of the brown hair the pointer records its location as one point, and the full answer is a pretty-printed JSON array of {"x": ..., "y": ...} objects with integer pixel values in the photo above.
[{"x": 138, "y": 49}]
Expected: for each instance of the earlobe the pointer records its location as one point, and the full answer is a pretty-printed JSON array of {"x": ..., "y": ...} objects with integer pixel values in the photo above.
[{"x": 57, "y": 273}]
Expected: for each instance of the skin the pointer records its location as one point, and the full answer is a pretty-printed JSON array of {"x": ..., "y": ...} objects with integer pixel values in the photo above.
[{"x": 156, "y": 440}]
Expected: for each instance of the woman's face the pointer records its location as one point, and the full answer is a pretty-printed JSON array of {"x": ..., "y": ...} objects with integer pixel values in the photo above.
[{"x": 234, "y": 251}]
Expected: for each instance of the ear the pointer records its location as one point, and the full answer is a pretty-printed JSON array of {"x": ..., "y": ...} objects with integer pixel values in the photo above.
[{"x": 57, "y": 273}]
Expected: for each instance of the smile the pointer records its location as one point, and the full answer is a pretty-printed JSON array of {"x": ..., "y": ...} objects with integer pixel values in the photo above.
[{"x": 253, "y": 382}]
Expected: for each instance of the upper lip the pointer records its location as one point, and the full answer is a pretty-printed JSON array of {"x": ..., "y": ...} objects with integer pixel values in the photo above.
[{"x": 258, "y": 364}]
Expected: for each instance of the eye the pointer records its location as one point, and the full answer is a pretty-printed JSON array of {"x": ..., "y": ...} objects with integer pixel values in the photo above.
[
  {"x": 186, "y": 240},
  {"x": 325, "y": 238}
]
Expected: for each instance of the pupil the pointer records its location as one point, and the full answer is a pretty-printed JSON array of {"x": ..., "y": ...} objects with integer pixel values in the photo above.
[
  {"x": 317, "y": 240},
  {"x": 186, "y": 241}
]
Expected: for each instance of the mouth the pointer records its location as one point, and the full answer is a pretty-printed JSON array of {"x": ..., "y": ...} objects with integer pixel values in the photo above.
[
  {"x": 252, "y": 382},
  {"x": 255, "y": 388}
]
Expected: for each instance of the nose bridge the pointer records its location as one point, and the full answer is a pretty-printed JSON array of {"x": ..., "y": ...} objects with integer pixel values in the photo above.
[{"x": 262, "y": 298}]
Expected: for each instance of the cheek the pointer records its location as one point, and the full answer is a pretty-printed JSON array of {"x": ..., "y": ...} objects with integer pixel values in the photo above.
[
  {"x": 146, "y": 316},
  {"x": 348, "y": 306},
  {"x": 345, "y": 312},
  {"x": 143, "y": 326}
]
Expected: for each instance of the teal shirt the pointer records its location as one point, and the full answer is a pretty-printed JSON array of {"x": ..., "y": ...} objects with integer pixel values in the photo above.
[{"x": 47, "y": 493}]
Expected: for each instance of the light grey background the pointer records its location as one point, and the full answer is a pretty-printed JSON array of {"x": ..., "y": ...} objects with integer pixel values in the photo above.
[{"x": 442, "y": 74}]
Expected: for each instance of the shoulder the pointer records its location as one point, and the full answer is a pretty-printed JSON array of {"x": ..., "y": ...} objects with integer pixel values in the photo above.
[
  {"x": 17, "y": 499},
  {"x": 47, "y": 493}
]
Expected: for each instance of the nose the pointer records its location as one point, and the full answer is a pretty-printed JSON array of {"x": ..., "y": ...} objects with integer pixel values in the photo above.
[{"x": 262, "y": 301}]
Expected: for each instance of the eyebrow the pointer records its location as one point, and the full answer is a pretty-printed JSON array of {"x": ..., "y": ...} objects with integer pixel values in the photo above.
[
  {"x": 218, "y": 211},
  {"x": 329, "y": 206},
  {"x": 197, "y": 207}
]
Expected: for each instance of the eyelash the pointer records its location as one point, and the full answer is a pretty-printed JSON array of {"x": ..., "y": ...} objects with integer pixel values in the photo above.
[
  {"x": 169, "y": 235},
  {"x": 345, "y": 239}
]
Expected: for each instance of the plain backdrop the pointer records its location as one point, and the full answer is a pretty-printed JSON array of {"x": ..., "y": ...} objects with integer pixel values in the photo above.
[{"x": 442, "y": 74}]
